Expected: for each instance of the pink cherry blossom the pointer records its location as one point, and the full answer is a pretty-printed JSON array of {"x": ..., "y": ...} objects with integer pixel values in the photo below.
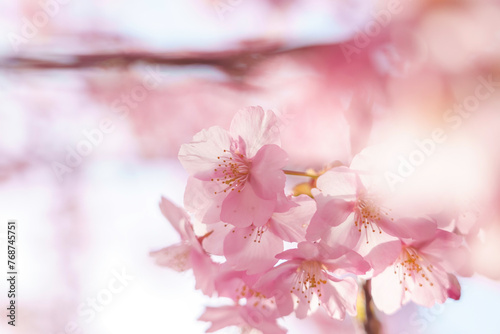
[
  {"x": 253, "y": 315},
  {"x": 251, "y": 309},
  {"x": 240, "y": 169},
  {"x": 321, "y": 323},
  {"x": 352, "y": 214},
  {"x": 314, "y": 275},
  {"x": 423, "y": 273},
  {"x": 235, "y": 284},
  {"x": 346, "y": 203},
  {"x": 188, "y": 253},
  {"x": 254, "y": 248}
]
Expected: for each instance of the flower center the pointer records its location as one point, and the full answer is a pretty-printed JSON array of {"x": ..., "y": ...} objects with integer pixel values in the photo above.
[
  {"x": 367, "y": 214},
  {"x": 248, "y": 296},
  {"x": 232, "y": 172},
  {"x": 256, "y": 233},
  {"x": 245, "y": 292},
  {"x": 411, "y": 264},
  {"x": 309, "y": 280}
]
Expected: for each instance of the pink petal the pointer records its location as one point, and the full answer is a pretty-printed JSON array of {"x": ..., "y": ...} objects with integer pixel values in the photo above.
[
  {"x": 256, "y": 127},
  {"x": 284, "y": 299},
  {"x": 306, "y": 304},
  {"x": 176, "y": 257},
  {"x": 266, "y": 175},
  {"x": 244, "y": 249},
  {"x": 214, "y": 241},
  {"x": 175, "y": 215},
  {"x": 441, "y": 241},
  {"x": 222, "y": 317},
  {"x": 346, "y": 234},
  {"x": 199, "y": 198},
  {"x": 427, "y": 295},
  {"x": 330, "y": 212},
  {"x": 199, "y": 157},
  {"x": 340, "y": 296},
  {"x": 388, "y": 294},
  {"x": 205, "y": 271},
  {"x": 305, "y": 251},
  {"x": 277, "y": 283},
  {"x": 348, "y": 262},
  {"x": 230, "y": 282},
  {"x": 340, "y": 181},
  {"x": 447, "y": 249},
  {"x": 291, "y": 225},
  {"x": 370, "y": 164},
  {"x": 454, "y": 291},
  {"x": 261, "y": 319},
  {"x": 241, "y": 209},
  {"x": 412, "y": 228},
  {"x": 468, "y": 222},
  {"x": 333, "y": 212},
  {"x": 382, "y": 255}
]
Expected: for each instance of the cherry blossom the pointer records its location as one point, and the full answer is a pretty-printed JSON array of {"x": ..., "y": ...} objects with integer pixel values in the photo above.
[
  {"x": 253, "y": 248},
  {"x": 188, "y": 254},
  {"x": 421, "y": 77},
  {"x": 288, "y": 255},
  {"x": 423, "y": 273},
  {"x": 345, "y": 203},
  {"x": 240, "y": 169},
  {"x": 351, "y": 213},
  {"x": 314, "y": 275},
  {"x": 246, "y": 317},
  {"x": 250, "y": 310}
]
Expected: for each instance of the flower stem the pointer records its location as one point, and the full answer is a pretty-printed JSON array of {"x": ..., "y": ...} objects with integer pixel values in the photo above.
[{"x": 291, "y": 172}]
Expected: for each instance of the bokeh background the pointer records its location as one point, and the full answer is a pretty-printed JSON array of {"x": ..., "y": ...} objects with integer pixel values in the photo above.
[{"x": 97, "y": 96}]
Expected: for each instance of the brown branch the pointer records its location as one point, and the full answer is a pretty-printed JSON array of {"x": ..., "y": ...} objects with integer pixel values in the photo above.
[
  {"x": 371, "y": 324},
  {"x": 234, "y": 62}
]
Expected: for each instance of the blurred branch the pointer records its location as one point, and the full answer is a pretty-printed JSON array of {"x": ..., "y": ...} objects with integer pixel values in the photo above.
[
  {"x": 234, "y": 62},
  {"x": 371, "y": 324}
]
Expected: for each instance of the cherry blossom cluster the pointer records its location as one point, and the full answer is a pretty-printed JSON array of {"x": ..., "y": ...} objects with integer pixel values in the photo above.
[{"x": 271, "y": 252}]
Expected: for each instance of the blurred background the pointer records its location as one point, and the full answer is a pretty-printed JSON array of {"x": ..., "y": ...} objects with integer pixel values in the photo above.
[{"x": 97, "y": 96}]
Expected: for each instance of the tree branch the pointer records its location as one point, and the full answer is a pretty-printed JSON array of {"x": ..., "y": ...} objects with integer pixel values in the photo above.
[
  {"x": 371, "y": 324},
  {"x": 235, "y": 62}
]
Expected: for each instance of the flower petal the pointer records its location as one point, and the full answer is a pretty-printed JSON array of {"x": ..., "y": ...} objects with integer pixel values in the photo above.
[
  {"x": 199, "y": 157},
  {"x": 454, "y": 291},
  {"x": 256, "y": 127},
  {"x": 340, "y": 182},
  {"x": 250, "y": 250},
  {"x": 382, "y": 255},
  {"x": 199, "y": 199},
  {"x": 408, "y": 228},
  {"x": 175, "y": 257},
  {"x": 346, "y": 234},
  {"x": 387, "y": 292},
  {"x": 266, "y": 176},
  {"x": 340, "y": 296},
  {"x": 213, "y": 242},
  {"x": 433, "y": 291},
  {"x": 305, "y": 251},
  {"x": 175, "y": 215},
  {"x": 243, "y": 208},
  {"x": 222, "y": 317},
  {"x": 291, "y": 225},
  {"x": 205, "y": 271},
  {"x": 277, "y": 283},
  {"x": 330, "y": 213}
]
